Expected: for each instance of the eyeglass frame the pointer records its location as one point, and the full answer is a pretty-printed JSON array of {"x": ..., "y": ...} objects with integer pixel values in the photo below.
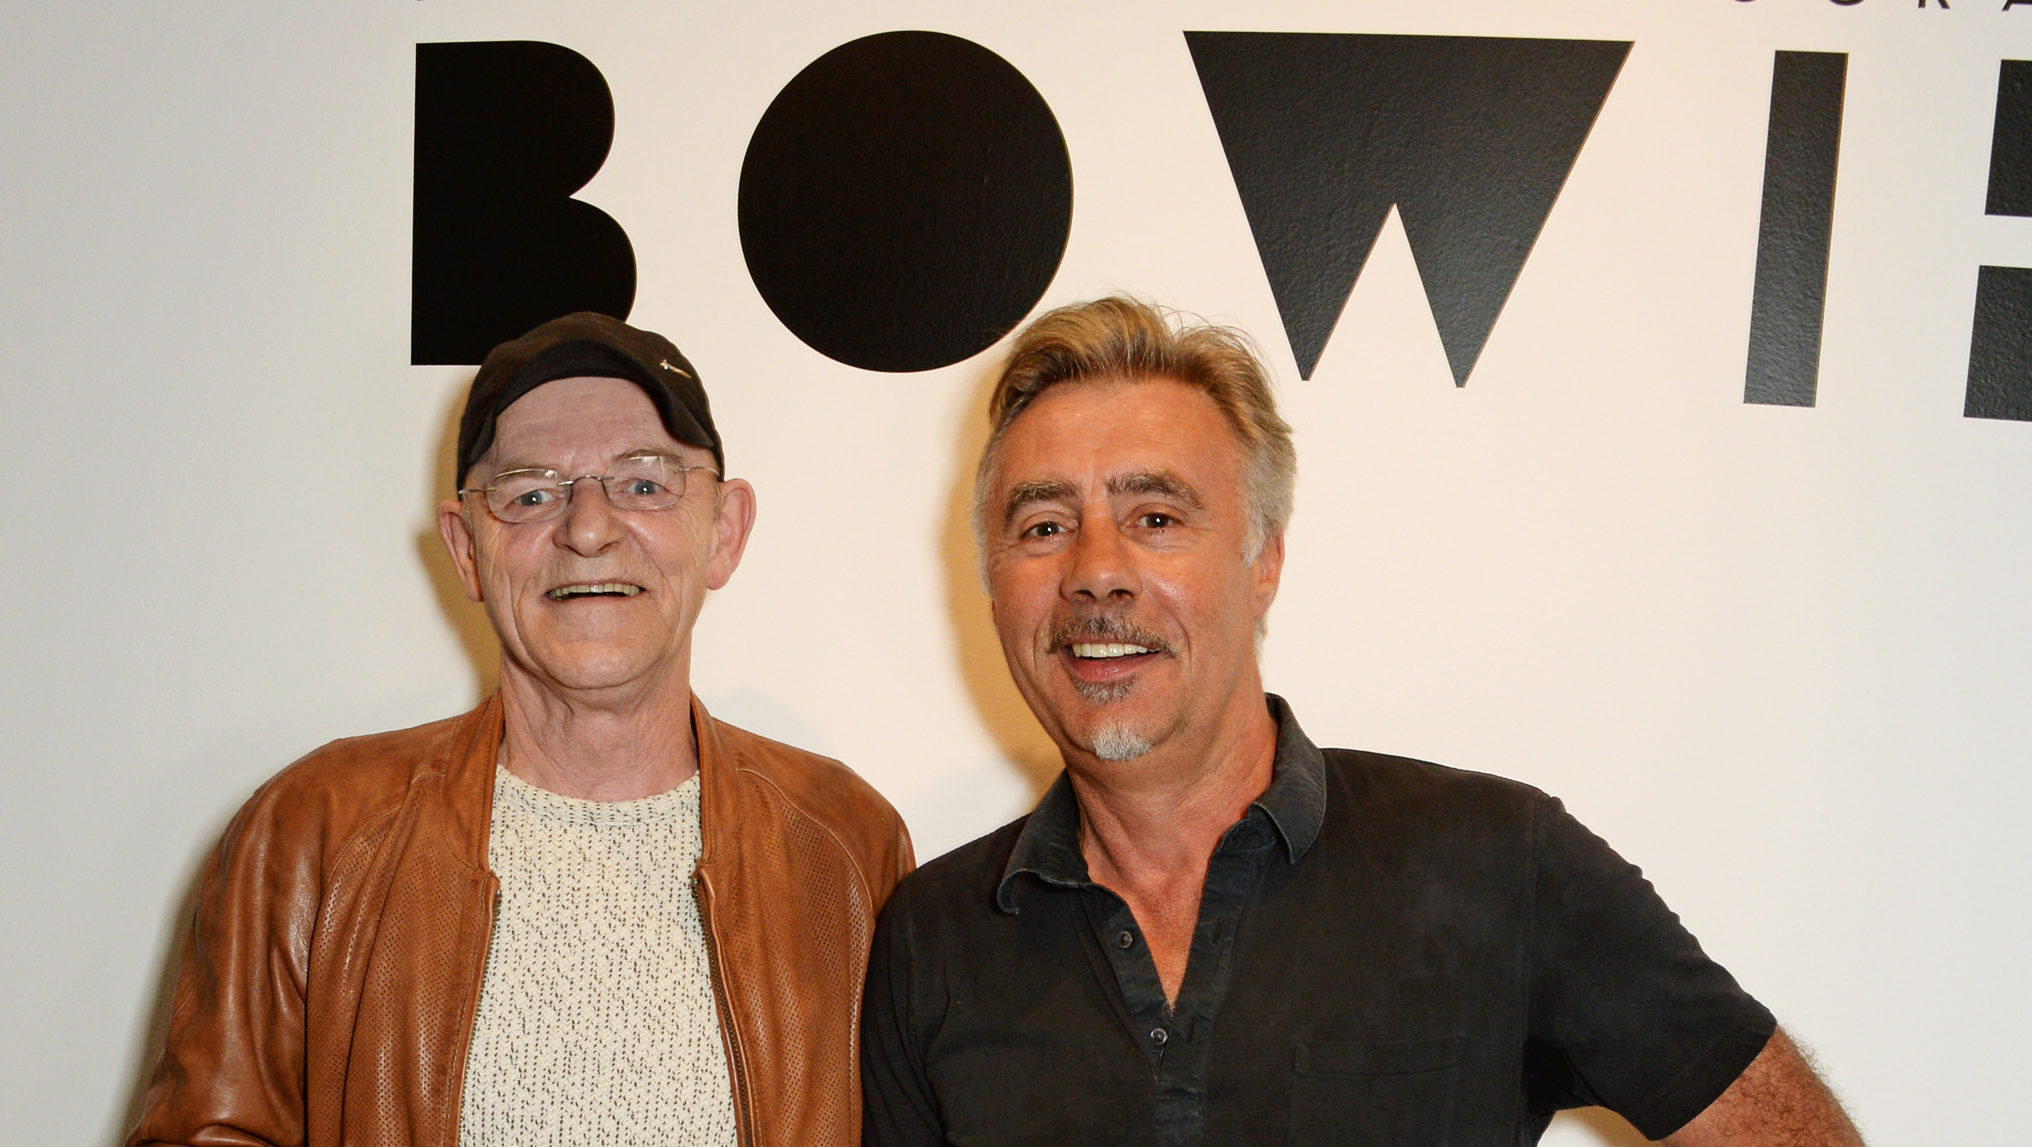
[{"x": 566, "y": 486}]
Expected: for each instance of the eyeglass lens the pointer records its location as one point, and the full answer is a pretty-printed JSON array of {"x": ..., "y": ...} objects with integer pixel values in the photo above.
[{"x": 635, "y": 484}]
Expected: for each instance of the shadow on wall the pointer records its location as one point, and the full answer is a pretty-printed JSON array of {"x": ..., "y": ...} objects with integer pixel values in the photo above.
[
  {"x": 986, "y": 675},
  {"x": 467, "y": 619}
]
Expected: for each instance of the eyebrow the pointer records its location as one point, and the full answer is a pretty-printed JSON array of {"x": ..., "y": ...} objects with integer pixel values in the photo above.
[
  {"x": 1140, "y": 483},
  {"x": 1161, "y": 482},
  {"x": 1026, "y": 494}
]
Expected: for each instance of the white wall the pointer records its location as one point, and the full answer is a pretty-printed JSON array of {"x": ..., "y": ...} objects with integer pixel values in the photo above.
[{"x": 1780, "y": 657}]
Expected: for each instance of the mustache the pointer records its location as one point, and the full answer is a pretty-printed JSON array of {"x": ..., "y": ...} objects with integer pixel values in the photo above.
[
  {"x": 1105, "y": 628},
  {"x": 567, "y": 572}
]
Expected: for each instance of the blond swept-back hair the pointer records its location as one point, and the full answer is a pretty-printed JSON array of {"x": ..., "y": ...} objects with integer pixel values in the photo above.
[{"x": 1118, "y": 337}]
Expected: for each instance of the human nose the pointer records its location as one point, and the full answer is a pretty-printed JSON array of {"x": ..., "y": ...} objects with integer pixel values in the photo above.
[
  {"x": 1102, "y": 567},
  {"x": 591, "y": 523}
]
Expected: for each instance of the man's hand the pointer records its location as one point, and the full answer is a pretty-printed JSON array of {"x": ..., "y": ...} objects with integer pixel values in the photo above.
[{"x": 1778, "y": 1101}]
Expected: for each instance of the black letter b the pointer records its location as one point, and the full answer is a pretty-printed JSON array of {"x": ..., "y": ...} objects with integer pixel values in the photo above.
[{"x": 506, "y": 131}]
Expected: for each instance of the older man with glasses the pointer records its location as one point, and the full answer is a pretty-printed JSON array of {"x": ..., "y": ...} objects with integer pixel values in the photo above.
[{"x": 585, "y": 911}]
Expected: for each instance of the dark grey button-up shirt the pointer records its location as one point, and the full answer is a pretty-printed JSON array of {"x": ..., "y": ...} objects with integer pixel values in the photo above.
[{"x": 1387, "y": 952}]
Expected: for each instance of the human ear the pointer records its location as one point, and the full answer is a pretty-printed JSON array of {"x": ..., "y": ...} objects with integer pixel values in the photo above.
[
  {"x": 733, "y": 518},
  {"x": 457, "y": 531},
  {"x": 1266, "y": 571}
]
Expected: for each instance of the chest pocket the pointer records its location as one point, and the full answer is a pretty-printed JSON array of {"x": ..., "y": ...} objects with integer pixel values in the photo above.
[{"x": 1383, "y": 1093}]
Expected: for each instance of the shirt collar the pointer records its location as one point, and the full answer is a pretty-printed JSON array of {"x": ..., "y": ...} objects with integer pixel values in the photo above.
[
  {"x": 1048, "y": 845},
  {"x": 1296, "y": 798}
]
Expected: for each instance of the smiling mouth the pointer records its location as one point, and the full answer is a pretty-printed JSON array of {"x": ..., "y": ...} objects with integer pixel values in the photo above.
[
  {"x": 1104, "y": 672},
  {"x": 596, "y": 589},
  {"x": 1102, "y": 652},
  {"x": 1105, "y": 643}
]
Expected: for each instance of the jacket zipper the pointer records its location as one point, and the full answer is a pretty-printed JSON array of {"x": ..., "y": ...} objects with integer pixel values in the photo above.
[
  {"x": 465, "y": 1049},
  {"x": 737, "y": 1069}
]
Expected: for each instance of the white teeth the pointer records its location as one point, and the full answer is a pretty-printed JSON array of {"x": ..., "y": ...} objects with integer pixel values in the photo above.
[
  {"x": 1082, "y": 649},
  {"x": 621, "y": 588}
]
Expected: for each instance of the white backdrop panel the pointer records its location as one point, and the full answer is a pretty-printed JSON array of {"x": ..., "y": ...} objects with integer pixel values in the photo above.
[{"x": 1778, "y": 656}]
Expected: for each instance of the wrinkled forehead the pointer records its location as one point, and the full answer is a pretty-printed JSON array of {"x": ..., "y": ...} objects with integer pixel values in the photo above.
[
  {"x": 585, "y": 419},
  {"x": 1100, "y": 433}
]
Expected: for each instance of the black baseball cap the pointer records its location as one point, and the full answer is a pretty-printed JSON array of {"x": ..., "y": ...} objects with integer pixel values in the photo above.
[{"x": 588, "y": 345}]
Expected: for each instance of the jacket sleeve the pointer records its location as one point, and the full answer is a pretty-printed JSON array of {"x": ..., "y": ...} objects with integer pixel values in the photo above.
[
  {"x": 232, "y": 1065},
  {"x": 877, "y": 843}
]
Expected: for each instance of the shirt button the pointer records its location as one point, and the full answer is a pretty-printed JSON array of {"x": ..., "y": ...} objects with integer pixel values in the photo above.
[
  {"x": 1125, "y": 939},
  {"x": 1158, "y": 1036}
]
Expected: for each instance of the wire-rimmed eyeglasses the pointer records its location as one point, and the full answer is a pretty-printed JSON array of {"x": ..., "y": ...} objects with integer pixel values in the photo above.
[{"x": 649, "y": 482}]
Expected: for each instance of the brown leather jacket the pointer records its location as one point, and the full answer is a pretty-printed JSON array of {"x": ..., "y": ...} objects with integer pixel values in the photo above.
[{"x": 327, "y": 988}]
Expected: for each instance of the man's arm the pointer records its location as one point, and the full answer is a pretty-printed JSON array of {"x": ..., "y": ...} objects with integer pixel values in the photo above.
[
  {"x": 232, "y": 1064},
  {"x": 1778, "y": 1101}
]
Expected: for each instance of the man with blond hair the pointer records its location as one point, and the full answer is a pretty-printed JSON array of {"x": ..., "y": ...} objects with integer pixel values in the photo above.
[{"x": 1211, "y": 931}]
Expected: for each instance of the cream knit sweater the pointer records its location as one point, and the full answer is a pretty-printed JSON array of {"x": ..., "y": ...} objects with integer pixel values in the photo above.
[{"x": 596, "y": 1021}]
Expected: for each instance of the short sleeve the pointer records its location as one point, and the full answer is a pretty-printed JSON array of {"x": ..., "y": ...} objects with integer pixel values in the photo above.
[{"x": 1627, "y": 1011}]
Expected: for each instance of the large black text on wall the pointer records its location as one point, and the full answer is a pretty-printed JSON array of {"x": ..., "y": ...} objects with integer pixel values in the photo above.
[
  {"x": 2000, "y": 347},
  {"x": 506, "y": 131},
  {"x": 1470, "y": 138},
  {"x": 1788, "y": 307},
  {"x": 905, "y": 201}
]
